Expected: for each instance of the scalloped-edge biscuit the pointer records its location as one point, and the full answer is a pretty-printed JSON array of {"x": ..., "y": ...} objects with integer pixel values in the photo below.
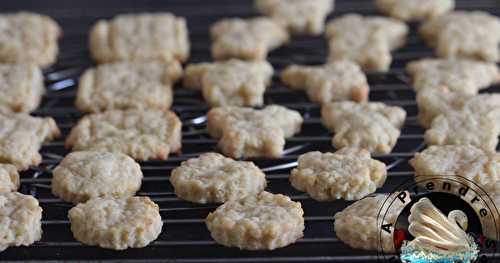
[
  {"x": 262, "y": 222},
  {"x": 20, "y": 220},
  {"x": 127, "y": 85},
  {"x": 140, "y": 37},
  {"x": 22, "y": 136},
  {"x": 9, "y": 178},
  {"x": 213, "y": 178},
  {"x": 335, "y": 81},
  {"x": 28, "y": 38},
  {"x": 247, "y": 132},
  {"x": 230, "y": 83},
  {"x": 464, "y": 34},
  {"x": 373, "y": 125},
  {"x": 459, "y": 75},
  {"x": 411, "y": 10},
  {"x": 85, "y": 175},
  {"x": 368, "y": 41},
  {"x": 141, "y": 134},
  {"x": 116, "y": 223},
  {"x": 247, "y": 39},
  {"x": 298, "y": 16},
  {"x": 349, "y": 174},
  {"x": 21, "y": 86}
]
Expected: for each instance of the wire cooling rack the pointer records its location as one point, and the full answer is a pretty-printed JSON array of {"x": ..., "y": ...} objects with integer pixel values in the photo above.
[{"x": 185, "y": 237}]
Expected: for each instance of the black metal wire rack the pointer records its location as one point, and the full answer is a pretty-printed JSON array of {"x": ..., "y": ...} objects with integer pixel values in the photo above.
[{"x": 185, "y": 237}]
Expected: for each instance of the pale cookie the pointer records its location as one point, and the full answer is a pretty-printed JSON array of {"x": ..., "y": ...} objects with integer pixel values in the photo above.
[
  {"x": 116, "y": 223},
  {"x": 465, "y": 127},
  {"x": 298, "y": 16},
  {"x": 127, "y": 85},
  {"x": 259, "y": 222},
  {"x": 9, "y": 178},
  {"x": 368, "y": 41},
  {"x": 20, "y": 220},
  {"x": 473, "y": 35},
  {"x": 28, "y": 38},
  {"x": 213, "y": 178},
  {"x": 141, "y": 134},
  {"x": 335, "y": 81},
  {"x": 246, "y": 132},
  {"x": 349, "y": 174},
  {"x": 21, "y": 136},
  {"x": 140, "y": 37},
  {"x": 85, "y": 175},
  {"x": 247, "y": 39},
  {"x": 230, "y": 83},
  {"x": 359, "y": 225},
  {"x": 411, "y": 10},
  {"x": 373, "y": 126},
  {"x": 463, "y": 161},
  {"x": 459, "y": 75},
  {"x": 21, "y": 86}
]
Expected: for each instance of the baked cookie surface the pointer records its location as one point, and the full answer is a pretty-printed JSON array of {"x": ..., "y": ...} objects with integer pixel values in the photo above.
[
  {"x": 28, "y": 38},
  {"x": 128, "y": 85},
  {"x": 265, "y": 221},
  {"x": 246, "y": 132},
  {"x": 21, "y": 86},
  {"x": 9, "y": 178},
  {"x": 247, "y": 39},
  {"x": 116, "y": 223},
  {"x": 298, "y": 16},
  {"x": 140, "y": 37},
  {"x": 230, "y": 83},
  {"x": 335, "y": 81},
  {"x": 141, "y": 134},
  {"x": 349, "y": 174},
  {"x": 20, "y": 220},
  {"x": 410, "y": 10},
  {"x": 368, "y": 41},
  {"x": 85, "y": 175},
  {"x": 213, "y": 178},
  {"x": 373, "y": 126}
]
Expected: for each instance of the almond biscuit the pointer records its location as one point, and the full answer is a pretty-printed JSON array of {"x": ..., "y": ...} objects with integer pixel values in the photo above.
[
  {"x": 21, "y": 86},
  {"x": 411, "y": 10}
]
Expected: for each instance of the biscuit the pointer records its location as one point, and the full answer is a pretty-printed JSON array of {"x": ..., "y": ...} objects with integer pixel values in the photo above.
[
  {"x": 21, "y": 86},
  {"x": 459, "y": 75},
  {"x": 264, "y": 221},
  {"x": 456, "y": 34},
  {"x": 298, "y": 16},
  {"x": 9, "y": 178},
  {"x": 349, "y": 174},
  {"x": 28, "y": 38},
  {"x": 20, "y": 220},
  {"x": 141, "y": 134},
  {"x": 373, "y": 126},
  {"x": 247, "y": 39},
  {"x": 85, "y": 175},
  {"x": 368, "y": 41},
  {"x": 140, "y": 37},
  {"x": 213, "y": 178},
  {"x": 21, "y": 136},
  {"x": 246, "y": 132},
  {"x": 127, "y": 85},
  {"x": 335, "y": 81},
  {"x": 411, "y": 10},
  {"x": 358, "y": 225},
  {"x": 230, "y": 83},
  {"x": 116, "y": 223},
  {"x": 465, "y": 161}
]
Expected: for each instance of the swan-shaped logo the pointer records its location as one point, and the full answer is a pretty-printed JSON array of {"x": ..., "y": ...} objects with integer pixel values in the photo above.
[{"x": 437, "y": 238}]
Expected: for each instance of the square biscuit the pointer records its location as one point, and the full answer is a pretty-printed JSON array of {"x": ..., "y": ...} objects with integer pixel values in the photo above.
[
  {"x": 411, "y": 10},
  {"x": 28, "y": 38},
  {"x": 128, "y": 85},
  {"x": 146, "y": 36},
  {"x": 21, "y": 87},
  {"x": 247, "y": 39},
  {"x": 298, "y": 16}
]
